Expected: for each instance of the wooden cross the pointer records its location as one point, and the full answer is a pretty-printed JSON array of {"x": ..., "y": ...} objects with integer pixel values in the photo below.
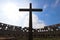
[{"x": 30, "y": 19}]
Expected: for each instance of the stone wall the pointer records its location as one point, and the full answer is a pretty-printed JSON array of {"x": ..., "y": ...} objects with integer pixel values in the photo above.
[{"x": 19, "y": 32}]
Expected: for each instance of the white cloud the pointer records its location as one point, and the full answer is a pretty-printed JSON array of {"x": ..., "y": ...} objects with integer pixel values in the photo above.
[
  {"x": 56, "y": 3},
  {"x": 45, "y": 6},
  {"x": 36, "y": 22},
  {"x": 10, "y": 14}
]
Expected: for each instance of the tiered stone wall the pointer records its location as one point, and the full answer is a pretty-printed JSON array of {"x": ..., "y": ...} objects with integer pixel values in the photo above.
[{"x": 16, "y": 31}]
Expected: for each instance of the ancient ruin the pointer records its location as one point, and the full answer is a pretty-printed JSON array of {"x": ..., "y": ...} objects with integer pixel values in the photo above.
[{"x": 17, "y": 32}]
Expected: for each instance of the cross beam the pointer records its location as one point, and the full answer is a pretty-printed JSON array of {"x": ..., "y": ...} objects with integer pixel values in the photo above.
[
  {"x": 30, "y": 19},
  {"x": 31, "y": 10}
]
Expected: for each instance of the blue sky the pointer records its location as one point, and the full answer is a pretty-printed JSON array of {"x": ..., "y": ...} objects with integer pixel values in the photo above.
[
  {"x": 51, "y": 11},
  {"x": 10, "y": 14}
]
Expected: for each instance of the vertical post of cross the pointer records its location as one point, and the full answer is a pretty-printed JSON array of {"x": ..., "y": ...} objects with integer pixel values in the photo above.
[{"x": 30, "y": 23}]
